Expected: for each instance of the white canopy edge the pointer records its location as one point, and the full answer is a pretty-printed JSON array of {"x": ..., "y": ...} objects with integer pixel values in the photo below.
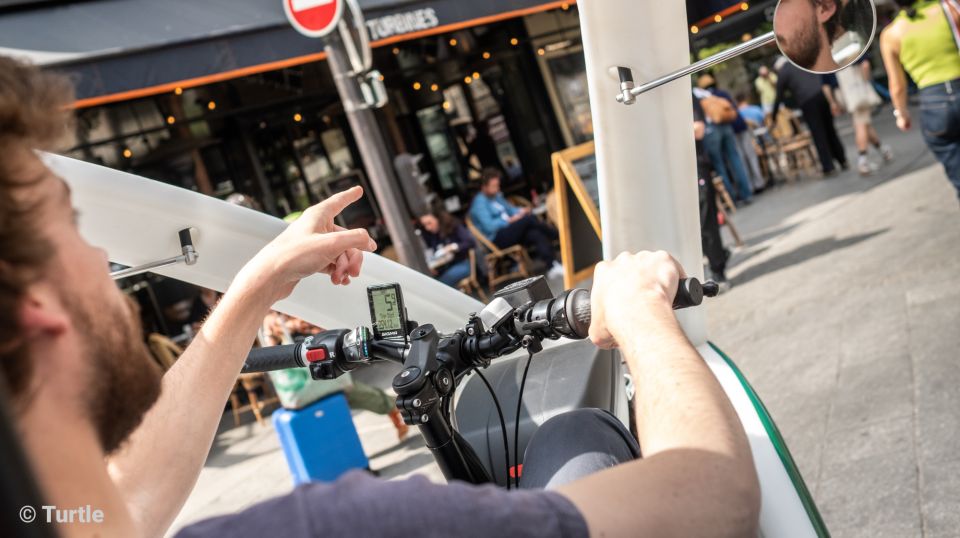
[{"x": 136, "y": 221}]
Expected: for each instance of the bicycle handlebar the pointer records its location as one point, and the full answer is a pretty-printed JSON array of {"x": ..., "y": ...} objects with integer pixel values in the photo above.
[{"x": 566, "y": 315}]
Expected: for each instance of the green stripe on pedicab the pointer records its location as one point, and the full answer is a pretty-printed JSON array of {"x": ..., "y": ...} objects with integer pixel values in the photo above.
[{"x": 781, "y": 447}]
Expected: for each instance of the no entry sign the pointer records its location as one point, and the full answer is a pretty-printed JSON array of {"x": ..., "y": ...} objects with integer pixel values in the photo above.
[{"x": 313, "y": 18}]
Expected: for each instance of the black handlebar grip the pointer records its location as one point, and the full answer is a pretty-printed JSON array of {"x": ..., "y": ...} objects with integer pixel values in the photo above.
[
  {"x": 267, "y": 359},
  {"x": 689, "y": 293}
]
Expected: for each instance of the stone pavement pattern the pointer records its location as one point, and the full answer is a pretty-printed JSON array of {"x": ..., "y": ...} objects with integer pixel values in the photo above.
[
  {"x": 845, "y": 317},
  {"x": 852, "y": 338}
]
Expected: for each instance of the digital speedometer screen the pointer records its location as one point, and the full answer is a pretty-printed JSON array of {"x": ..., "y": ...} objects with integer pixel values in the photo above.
[{"x": 386, "y": 308}]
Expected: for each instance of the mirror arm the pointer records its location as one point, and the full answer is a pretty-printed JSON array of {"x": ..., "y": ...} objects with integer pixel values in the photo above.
[
  {"x": 628, "y": 92},
  {"x": 189, "y": 256}
]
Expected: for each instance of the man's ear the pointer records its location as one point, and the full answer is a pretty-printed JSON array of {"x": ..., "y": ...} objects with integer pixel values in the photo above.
[
  {"x": 826, "y": 9},
  {"x": 42, "y": 314}
]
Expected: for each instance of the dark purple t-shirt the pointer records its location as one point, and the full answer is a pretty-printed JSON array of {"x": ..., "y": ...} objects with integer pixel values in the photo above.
[{"x": 360, "y": 505}]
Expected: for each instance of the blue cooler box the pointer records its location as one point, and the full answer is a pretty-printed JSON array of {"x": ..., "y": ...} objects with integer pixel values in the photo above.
[{"x": 320, "y": 441}]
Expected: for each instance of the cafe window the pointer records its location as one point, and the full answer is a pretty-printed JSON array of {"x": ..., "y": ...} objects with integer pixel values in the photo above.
[
  {"x": 566, "y": 76},
  {"x": 439, "y": 141}
]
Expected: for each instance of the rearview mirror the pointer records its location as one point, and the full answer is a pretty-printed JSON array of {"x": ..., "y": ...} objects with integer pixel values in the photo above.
[{"x": 824, "y": 36}]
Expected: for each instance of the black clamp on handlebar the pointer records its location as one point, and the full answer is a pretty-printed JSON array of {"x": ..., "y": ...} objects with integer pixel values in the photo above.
[{"x": 424, "y": 379}]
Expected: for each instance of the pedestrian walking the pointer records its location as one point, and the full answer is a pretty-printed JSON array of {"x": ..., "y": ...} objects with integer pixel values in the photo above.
[
  {"x": 766, "y": 86},
  {"x": 860, "y": 100},
  {"x": 808, "y": 91},
  {"x": 759, "y": 138},
  {"x": 712, "y": 242},
  {"x": 924, "y": 41},
  {"x": 720, "y": 140},
  {"x": 742, "y": 133}
]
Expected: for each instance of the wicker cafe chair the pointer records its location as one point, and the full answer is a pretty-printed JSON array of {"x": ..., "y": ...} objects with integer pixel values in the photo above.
[
  {"x": 249, "y": 383},
  {"x": 166, "y": 353},
  {"x": 724, "y": 201},
  {"x": 795, "y": 145},
  {"x": 725, "y": 208},
  {"x": 519, "y": 201},
  {"x": 471, "y": 284},
  {"x": 164, "y": 350},
  {"x": 496, "y": 258},
  {"x": 769, "y": 156}
]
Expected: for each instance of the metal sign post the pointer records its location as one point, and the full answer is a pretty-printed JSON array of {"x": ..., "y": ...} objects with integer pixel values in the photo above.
[{"x": 349, "y": 56}]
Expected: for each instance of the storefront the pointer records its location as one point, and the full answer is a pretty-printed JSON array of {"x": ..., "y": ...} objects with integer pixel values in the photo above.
[
  {"x": 253, "y": 109},
  {"x": 469, "y": 87}
]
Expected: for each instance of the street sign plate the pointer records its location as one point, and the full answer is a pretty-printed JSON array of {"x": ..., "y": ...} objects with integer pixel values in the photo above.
[{"x": 313, "y": 18}]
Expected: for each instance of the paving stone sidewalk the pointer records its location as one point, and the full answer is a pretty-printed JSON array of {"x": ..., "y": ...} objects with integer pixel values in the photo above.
[{"x": 845, "y": 316}]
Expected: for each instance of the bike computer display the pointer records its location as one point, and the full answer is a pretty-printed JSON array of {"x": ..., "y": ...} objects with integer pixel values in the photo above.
[{"x": 387, "y": 312}]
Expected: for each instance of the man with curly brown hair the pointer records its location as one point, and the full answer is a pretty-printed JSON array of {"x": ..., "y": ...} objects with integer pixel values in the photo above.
[{"x": 72, "y": 355}]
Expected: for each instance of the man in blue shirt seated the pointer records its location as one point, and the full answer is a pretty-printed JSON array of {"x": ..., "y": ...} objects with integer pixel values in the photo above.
[{"x": 506, "y": 225}]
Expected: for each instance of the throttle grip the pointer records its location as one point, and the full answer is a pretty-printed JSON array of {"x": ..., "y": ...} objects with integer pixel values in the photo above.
[
  {"x": 267, "y": 359},
  {"x": 576, "y": 316}
]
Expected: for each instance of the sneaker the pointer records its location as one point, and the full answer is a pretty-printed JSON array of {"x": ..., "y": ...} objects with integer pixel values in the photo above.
[
  {"x": 723, "y": 286},
  {"x": 556, "y": 271},
  {"x": 887, "y": 153},
  {"x": 864, "y": 166}
]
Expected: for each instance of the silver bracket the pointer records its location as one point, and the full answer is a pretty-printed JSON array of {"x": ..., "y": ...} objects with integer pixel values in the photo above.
[
  {"x": 629, "y": 92},
  {"x": 189, "y": 256}
]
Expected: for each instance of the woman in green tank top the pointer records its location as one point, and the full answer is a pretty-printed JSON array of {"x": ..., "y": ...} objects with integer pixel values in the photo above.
[{"x": 923, "y": 41}]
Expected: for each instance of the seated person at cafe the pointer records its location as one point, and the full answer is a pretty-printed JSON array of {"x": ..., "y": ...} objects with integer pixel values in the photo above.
[
  {"x": 447, "y": 237},
  {"x": 506, "y": 225}
]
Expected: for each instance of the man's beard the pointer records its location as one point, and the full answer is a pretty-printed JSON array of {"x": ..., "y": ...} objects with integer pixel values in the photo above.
[
  {"x": 124, "y": 378},
  {"x": 804, "y": 47}
]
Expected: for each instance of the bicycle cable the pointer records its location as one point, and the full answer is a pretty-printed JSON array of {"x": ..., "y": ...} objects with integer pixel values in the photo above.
[
  {"x": 503, "y": 424},
  {"x": 516, "y": 424}
]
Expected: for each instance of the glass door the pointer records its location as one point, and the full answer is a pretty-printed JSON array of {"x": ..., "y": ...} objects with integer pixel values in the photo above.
[{"x": 433, "y": 123}]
